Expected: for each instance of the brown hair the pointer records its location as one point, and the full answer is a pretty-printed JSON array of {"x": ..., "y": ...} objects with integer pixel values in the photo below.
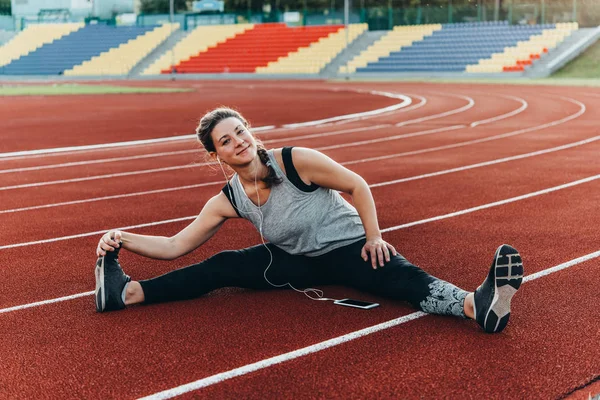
[{"x": 207, "y": 125}]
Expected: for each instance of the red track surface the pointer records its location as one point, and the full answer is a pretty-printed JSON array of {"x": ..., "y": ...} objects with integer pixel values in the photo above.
[{"x": 66, "y": 350}]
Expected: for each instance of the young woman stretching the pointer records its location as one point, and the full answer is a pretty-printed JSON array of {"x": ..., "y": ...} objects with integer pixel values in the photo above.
[{"x": 315, "y": 237}]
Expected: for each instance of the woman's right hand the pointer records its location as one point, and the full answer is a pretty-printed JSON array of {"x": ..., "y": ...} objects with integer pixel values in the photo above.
[{"x": 108, "y": 242}]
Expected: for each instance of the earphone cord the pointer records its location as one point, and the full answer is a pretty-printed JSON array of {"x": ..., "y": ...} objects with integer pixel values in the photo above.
[{"x": 311, "y": 293}]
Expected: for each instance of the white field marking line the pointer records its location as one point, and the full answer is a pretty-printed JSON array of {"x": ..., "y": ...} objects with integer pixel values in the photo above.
[
  {"x": 268, "y": 362},
  {"x": 409, "y": 153},
  {"x": 486, "y": 163},
  {"x": 482, "y": 140},
  {"x": 494, "y": 204},
  {"x": 44, "y": 302},
  {"x": 422, "y": 102},
  {"x": 527, "y": 278},
  {"x": 179, "y": 152},
  {"x": 98, "y": 161},
  {"x": 113, "y": 197},
  {"x": 302, "y": 137},
  {"x": 217, "y": 378},
  {"x": 314, "y": 348},
  {"x": 393, "y": 228},
  {"x": 265, "y": 363},
  {"x": 195, "y": 165},
  {"x": 395, "y": 137},
  {"x": 81, "y": 235},
  {"x": 407, "y": 179},
  {"x": 406, "y": 101},
  {"x": 519, "y": 110},
  {"x": 327, "y": 134},
  {"x": 55, "y": 150},
  {"x": 469, "y": 105}
]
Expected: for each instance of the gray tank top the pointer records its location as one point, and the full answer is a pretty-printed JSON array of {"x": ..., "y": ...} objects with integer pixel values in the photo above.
[{"x": 310, "y": 221}]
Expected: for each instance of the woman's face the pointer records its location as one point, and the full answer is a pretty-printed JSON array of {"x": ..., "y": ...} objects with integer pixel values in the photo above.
[{"x": 234, "y": 144}]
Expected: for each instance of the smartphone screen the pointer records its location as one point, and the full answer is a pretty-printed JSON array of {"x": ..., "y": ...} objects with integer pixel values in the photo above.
[{"x": 356, "y": 303}]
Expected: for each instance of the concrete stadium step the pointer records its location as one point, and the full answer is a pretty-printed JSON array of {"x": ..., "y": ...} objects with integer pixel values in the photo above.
[{"x": 356, "y": 47}]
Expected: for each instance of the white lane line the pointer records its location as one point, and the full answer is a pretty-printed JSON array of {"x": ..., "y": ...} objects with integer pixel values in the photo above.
[
  {"x": 98, "y": 161},
  {"x": 44, "y": 302},
  {"x": 464, "y": 108},
  {"x": 423, "y": 221},
  {"x": 486, "y": 163},
  {"x": 413, "y": 107},
  {"x": 395, "y": 137},
  {"x": 406, "y": 101},
  {"x": 268, "y": 362},
  {"x": 95, "y": 177},
  {"x": 180, "y": 152},
  {"x": 431, "y": 149},
  {"x": 407, "y": 179},
  {"x": 581, "y": 111},
  {"x": 217, "y": 378},
  {"x": 113, "y": 197},
  {"x": 300, "y": 137},
  {"x": 519, "y": 110},
  {"x": 495, "y": 203},
  {"x": 195, "y": 165},
  {"x": 81, "y": 235}
]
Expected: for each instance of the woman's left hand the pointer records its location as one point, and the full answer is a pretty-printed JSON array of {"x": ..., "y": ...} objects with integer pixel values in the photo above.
[{"x": 379, "y": 250}]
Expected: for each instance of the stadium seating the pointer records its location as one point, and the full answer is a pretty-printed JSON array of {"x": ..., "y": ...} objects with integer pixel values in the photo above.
[
  {"x": 524, "y": 53},
  {"x": 121, "y": 60},
  {"x": 32, "y": 38},
  {"x": 398, "y": 38},
  {"x": 72, "y": 49},
  {"x": 313, "y": 58},
  {"x": 461, "y": 47},
  {"x": 254, "y": 48},
  {"x": 197, "y": 41}
]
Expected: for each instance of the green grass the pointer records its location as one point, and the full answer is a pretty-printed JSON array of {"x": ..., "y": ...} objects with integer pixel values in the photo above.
[
  {"x": 499, "y": 81},
  {"x": 67, "y": 89},
  {"x": 587, "y": 65}
]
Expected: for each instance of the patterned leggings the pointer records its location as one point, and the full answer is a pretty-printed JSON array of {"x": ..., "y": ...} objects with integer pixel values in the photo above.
[{"x": 398, "y": 279}]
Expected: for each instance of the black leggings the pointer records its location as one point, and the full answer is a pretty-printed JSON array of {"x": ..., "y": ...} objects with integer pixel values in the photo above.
[{"x": 398, "y": 279}]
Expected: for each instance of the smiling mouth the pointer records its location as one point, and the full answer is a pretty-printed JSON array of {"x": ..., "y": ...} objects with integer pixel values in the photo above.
[{"x": 243, "y": 150}]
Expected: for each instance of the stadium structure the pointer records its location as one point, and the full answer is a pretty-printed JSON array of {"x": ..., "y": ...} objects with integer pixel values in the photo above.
[{"x": 53, "y": 44}]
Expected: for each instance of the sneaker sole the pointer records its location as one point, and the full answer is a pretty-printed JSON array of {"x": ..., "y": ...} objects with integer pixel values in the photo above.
[
  {"x": 508, "y": 276},
  {"x": 100, "y": 292}
]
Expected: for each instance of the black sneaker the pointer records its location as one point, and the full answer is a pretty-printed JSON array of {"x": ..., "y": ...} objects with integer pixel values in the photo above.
[
  {"x": 110, "y": 281},
  {"x": 492, "y": 299}
]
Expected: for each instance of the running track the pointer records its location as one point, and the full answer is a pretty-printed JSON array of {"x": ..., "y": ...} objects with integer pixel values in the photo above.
[{"x": 455, "y": 170}]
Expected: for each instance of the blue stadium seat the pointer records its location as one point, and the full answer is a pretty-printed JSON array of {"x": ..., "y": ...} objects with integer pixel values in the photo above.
[
  {"x": 73, "y": 49},
  {"x": 455, "y": 46}
]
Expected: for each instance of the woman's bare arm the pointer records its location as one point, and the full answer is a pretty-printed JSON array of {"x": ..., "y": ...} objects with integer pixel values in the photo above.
[{"x": 213, "y": 214}]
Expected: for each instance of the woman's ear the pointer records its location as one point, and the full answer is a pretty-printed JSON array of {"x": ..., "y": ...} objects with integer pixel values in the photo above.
[{"x": 215, "y": 156}]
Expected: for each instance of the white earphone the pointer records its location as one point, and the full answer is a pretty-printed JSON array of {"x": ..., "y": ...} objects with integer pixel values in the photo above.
[{"x": 317, "y": 292}]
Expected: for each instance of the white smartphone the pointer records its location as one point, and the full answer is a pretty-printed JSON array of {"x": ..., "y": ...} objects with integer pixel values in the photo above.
[{"x": 365, "y": 305}]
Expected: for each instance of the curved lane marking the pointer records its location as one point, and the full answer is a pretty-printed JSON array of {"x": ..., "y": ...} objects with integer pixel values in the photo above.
[
  {"x": 470, "y": 104},
  {"x": 519, "y": 110},
  {"x": 406, "y": 101},
  {"x": 407, "y": 179},
  {"x": 439, "y": 217},
  {"x": 314, "y": 348},
  {"x": 180, "y": 152},
  {"x": 581, "y": 111},
  {"x": 414, "y": 152}
]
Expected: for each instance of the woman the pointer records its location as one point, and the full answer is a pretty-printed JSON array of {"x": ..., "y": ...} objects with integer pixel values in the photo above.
[{"x": 315, "y": 237}]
